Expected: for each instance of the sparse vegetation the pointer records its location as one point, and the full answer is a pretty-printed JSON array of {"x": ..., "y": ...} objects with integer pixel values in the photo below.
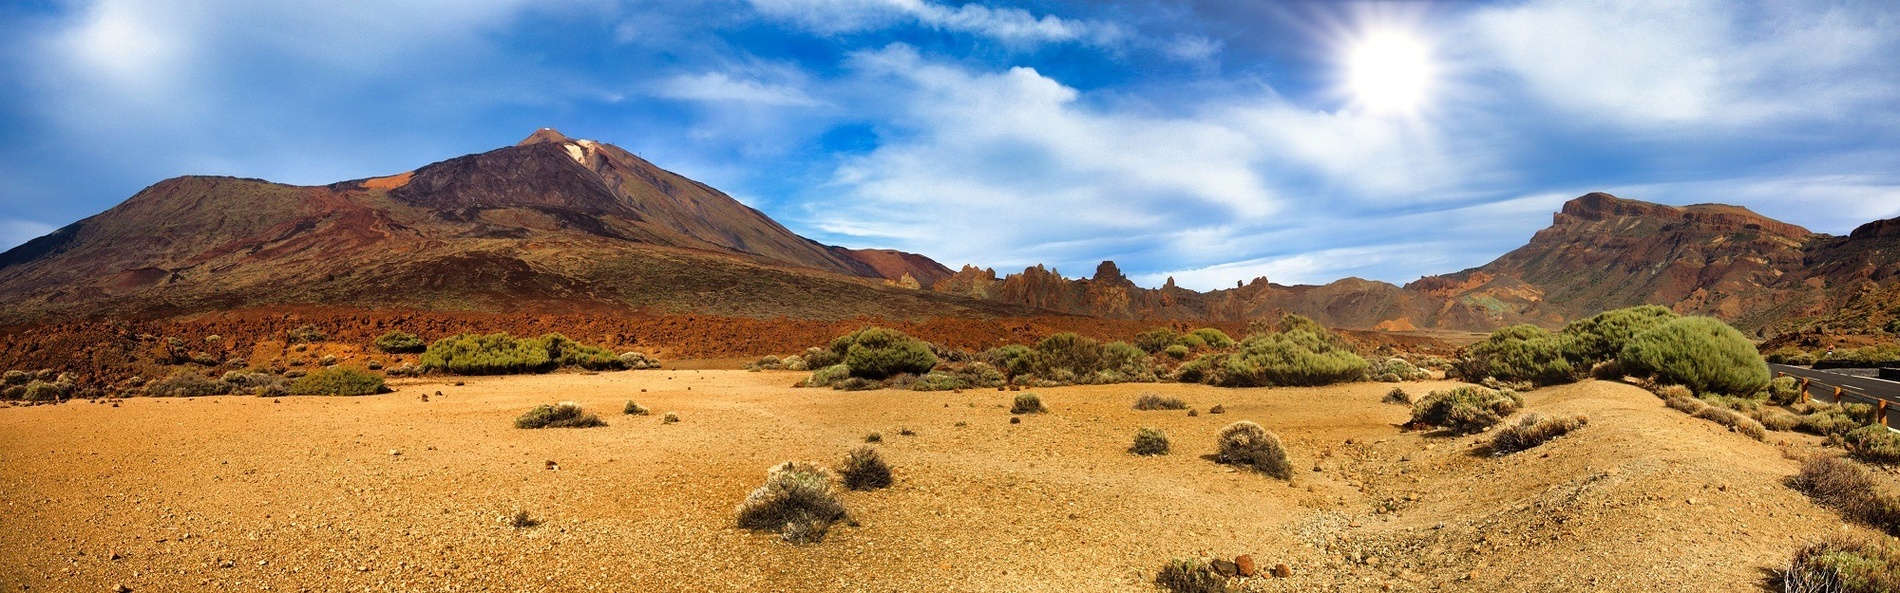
[
  {"x": 877, "y": 353},
  {"x": 1177, "y": 351},
  {"x": 1601, "y": 338},
  {"x": 561, "y": 415},
  {"x": 1701, "y": 353},
  {"x": 1213, "y": 338},
  {"x": 796, "y": 501},
  {"x": 874, "y": 438},
  {"x": 520, "y": 519},
  {"x": 670, "y": 418},
  {"x": 1533, "y": 430},
  {"x": 1784, "y": 390},
  {"x": 1397, "y": 396},
  {"x": 1027, "y": 403},
  {"x": 401, "y": 342},
  {"x": 1068, "y": 358},
  {"x": 1842, "y": 564},
  {"x": 633, "y": 409},
  {"x": 338, "y": 381},
  {"x": 1850, "y": 489},
  {"x": 1394, "y": 369},
  {"x": 1465, "y": 410},
  {"x": 1149, "y": 441},
  {"x": 1190, "y": 576},
  {"x": 1873, "y": 443},
  {"x": 187, "y": 383},
  {"x": 1736, "y": 421},
  {"x": 1154, "y": 401},
  {"x": 864, "y": 469},
  {"x": 1517, "y": 353},
  {"x": 1302, "y": 354},
  {"x": 308, "y": 334},
  {"x": 1247, "y": 444}
]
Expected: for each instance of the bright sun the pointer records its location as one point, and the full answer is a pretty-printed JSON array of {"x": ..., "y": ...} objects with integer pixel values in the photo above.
[{"x": 1389, "y": 72}]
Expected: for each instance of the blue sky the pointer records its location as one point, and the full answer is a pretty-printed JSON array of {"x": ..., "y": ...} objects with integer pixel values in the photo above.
[{"x": 1209, "y": 141}]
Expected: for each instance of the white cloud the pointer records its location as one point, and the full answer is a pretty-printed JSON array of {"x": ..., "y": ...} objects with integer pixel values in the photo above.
[
  {"x": 1645, "y": 62},
  {"x": 1008, "y": 25},
  {"x": 717, "y": 86},
  {"x": 1834, "y": 203}
]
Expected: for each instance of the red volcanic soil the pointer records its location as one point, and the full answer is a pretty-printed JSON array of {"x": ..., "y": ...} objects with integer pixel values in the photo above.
[{"x": 101, "y": 353}]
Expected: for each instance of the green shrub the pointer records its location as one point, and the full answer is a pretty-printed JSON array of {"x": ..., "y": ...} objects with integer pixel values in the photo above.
[
  {"x": 1793, "y": 357},
  {"x": 1304, "y": 355},
  {"x": 1465, "y": 410},
  {"x": 1850, "y": 489},
  {"x": 830, "y": 375},
  {"x": 308, "y": 334},
  {"x": 569, "y": 353},
  {"x": 46, "y": 391},
  {"x": 633, "y": 409},
  {"x": 1149, "y": 441},
  {"x": 1699, "y": 352},
  {"x": 1784, "y": 390},
  {"x": 1122, "y": 363},
  {"x": 1828, "y": 420},
  {"x": 939, "y": 381},
  {"x": 1155, "y": 340},
  {"x": 400, "y": 342},
  {"x": 1394, "y": 369},
  {"x": 1533, "y": 430},
  {"x": 1176, "y": 351},
  {"x": 1602, "y": 338},
  {"x": 864, "y": 469},
  {"x": 1190, "y": 576},
  {"x": 1154, "y": 401},
  {"x": 1736, "y": 421},
  {"x": 1027, "y": 403},
  {"x": 1397, "y": 396},
  {"x": 1520, "y": 353},
  {"x": 15, "y": 378},
  {"x": 338, "y": 381},
  {"x": 1843, "y": 564},
  {"x": 1203, "y": 369},
  {"x": 186, "y": 383},
  {"x": 1776, "y": 419},
  {"x": 492, "y": 354},
  {"x": 1246, "y": 444},
  {"x": 1873, "y": 443},
  {"x": 796, "y": 501},
  {"x": 1067, "y": 358},
  {"x": 1015, "y": 360},
  {"x": 1191, "y": 341},
  {"x": 1213, "y": 338},
  {"x": 877, "y": 353},
  {"x": 561, "y": 415}
]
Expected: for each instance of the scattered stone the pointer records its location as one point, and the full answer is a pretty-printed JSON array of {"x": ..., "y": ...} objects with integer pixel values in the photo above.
[
  {"x": 1225, "y": 568},
  {"x": 1015, "y": 420},
  {"x": 1244, "y": 563},
  {"x": 395, "y": 452},
  {"x": 553, "y": 466},
  {"x": 1282, "y": 571}
]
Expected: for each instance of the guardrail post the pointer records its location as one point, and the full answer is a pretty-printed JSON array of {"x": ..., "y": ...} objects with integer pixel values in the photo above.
[
  {"x": 1883, "y": 412},
  {"x": 1804, "y": 390},
  {"x": 1837, "y": 395}
]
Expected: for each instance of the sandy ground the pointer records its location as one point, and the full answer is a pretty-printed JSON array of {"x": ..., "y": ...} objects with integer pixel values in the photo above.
[{"x": 393, "y": 493}]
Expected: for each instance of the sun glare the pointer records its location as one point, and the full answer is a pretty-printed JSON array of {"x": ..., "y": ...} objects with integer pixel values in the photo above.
[{"x": 1389, "y": 72}]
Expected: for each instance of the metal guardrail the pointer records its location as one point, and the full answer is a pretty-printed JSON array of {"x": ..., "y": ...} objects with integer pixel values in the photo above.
[{"x": 1883, "y": 413}]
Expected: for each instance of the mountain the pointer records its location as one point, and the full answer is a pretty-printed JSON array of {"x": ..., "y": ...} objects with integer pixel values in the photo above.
[{"x": 551, "y": 223}]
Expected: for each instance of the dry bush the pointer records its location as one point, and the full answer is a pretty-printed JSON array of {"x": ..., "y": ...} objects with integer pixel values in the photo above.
[
  {"x": 1190, "y": 576},
  {"x": 1842, "y": 564},
  {"x": 633, "y": 409},
  {"x": 1154, "y": 401},
  {"x": 1533, "y": 430},
  {"x": 187, "y": 383},
  {"x": 1673, "y": 391},
  {"x": 1776, "y": 419},
  {"x": 864, "y": 469},
  {"x": 1736, "y": 421},
  {"x": 670, "y": 418},
  {"x": 338, "y": 381},
  {"x": 1686, "y": 404},
  {"x": 1398, "y": 396},
  {"x": 561, "y": 415},
  {"x": 1465, "y": 410},
  {"x": 1850, "y": 489},
  {"x": 1027, "y": 403},
  {"x": 1873, "y": 443},
  {"x": 1149, "y": 441},
  {"x": 1245, "y": 443},
  {"x": 796, "y": 501}
]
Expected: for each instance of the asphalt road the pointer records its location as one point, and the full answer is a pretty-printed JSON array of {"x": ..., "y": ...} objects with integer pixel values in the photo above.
[{"x": 1864, "y": 390}]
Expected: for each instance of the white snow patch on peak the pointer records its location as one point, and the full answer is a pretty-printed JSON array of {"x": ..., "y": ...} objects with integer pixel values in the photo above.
[{"x": 576, "y": 152}]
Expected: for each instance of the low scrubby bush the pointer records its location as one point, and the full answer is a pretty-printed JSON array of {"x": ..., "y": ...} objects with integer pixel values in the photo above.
[
  {"x": 1687, "y": 404},
  {"x": 1873, "y": 443},
  {"x": 1842, "y": 564},
  {"x": 864, "y": 469},
  {"x": 1247, "y": 444},
  {"x": 1601, "y": 338},
  {"x": 1850, "y": 489},
  {"x": 670, "y": 418},
  {"x": 1303, "y": 354},
  {"x": 1701, "y": 353},
  {"x": 1149, "y": 441},
  {"x": 1015, "y": 360},
  {"x": 187, "y": 383},
  {"x": 796, "y": 501},
  {"x": 1533, "y": 430},
  {"x": 1736, "y": 421},
  {"x": 1397, "y": 396},
  {"x": 502, "y": 354},
  {"x": 830, "y": 375},
  {"x": 1213, "y": 338},
  {"x": 1523, "y": 353},
  {"x": 877, "y": 353},
  {"x": 338, "y": 381},
  {"x": 1027, "y": 403},
  {"x": 1156, "y": 340},
  {"x": 1177, "y": 352},
  {"x": 401, "y": 342},
  {"x": 639, "y": 361},
  {"x": 1784, "y": 390},
  {"x": 1828, "y": 419},
  {"x": 1394, "y": 369},
  {"x": 1190, "y": 576},
  {"x": 1776, "y": 419},
  {"x": 308, "y": 334},
  {"x": 1154, "y": 401},
  {"x": 633, "y": 409},
  {"x": 1465, "y": 410},
  {"x": 1792, "y": 357},
  {"x": 561, "y": 415}
]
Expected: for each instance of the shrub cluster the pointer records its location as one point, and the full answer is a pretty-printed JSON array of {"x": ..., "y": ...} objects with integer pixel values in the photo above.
[
  {"x": 186, "y": 383},
  {"x": 639, "y": 361},
  {"x": 1850, "y": 489},
  {"x": 502, "y": 354},
  {"x": 1394, "y": 369},
  {"x": 1149, "y": 441},
  {"x": 1873, "y": 443},
  {"x": 1465, "y": 410},
  {"x": 864, "y": 469},
  {"x": 1190, "y": 576},
  {"x": 401, "y": 342},
  {"x": 1302, "y": 354},
  {"x": 1247, "y": 444},
  {"x": 1533, "y": 430},
  {"x": 1027, "y": 403},
  {"x": 1784, "y": 390},
  {"x": 1067, "y": 358},
  {"x": 338, "y": 381},
  {"x": 561, "y": 415},
  {"x": 1701, "y": 353},
  {"x": 1601, "y": 338},
  {"x": 308, "y": 334},
  {"x": 792, "y": 362},
  {"x": 1844, "y": 565},
  {"x": 877, "y": 353},
  {"x": 1161, "y": 339},
  {"x": 796, "y": 501},
  {"x": 1523, "y": 353},
  {"x": 1154, "y": 401}
]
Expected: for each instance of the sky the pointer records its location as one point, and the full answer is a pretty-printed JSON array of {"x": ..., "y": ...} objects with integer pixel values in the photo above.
[{"x": 1207, "y": 141}]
